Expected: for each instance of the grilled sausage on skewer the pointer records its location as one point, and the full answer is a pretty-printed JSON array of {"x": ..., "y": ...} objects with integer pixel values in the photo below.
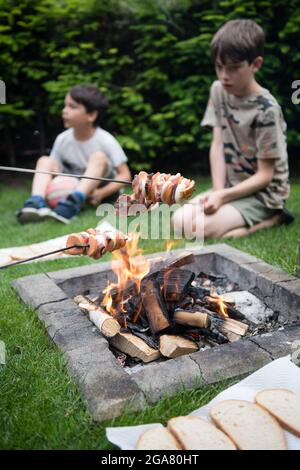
[
  {"x": 149, "y": 189},
  {"x": 98, "y": 242}
]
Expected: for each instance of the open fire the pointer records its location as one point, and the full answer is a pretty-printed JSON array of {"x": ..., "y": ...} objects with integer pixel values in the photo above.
[{"x": 163, "y": 309}]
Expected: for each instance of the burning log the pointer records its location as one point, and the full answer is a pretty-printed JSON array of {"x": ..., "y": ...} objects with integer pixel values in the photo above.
[
  {"x": 214, "y": 334},
  {"x": 154, "y": 306},
  {"x": 173, "y": 346},
  {"x": 134, "y": 347},
  {"x": 218, "y": 305},
  {"x": 141, "y": 332},
  {"x": 181, "y": 259},
  {"x": 234, "y": 313},
  {"x": 185, "y": 317},
  {"x": 175, "y": 282},
  {"x": 108, "y": 326}
]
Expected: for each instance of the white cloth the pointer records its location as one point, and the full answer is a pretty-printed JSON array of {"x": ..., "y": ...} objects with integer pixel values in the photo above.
[
  {"x": 74, "y": 154},
  {"x": 281, "y": 373}
]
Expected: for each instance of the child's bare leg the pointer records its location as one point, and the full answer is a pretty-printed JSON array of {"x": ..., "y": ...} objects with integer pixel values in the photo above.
[
  {"x": 97, "y": 166},
  {"x": 238, "y": 232},
  {"x": 40, "y": 181},
  {"x": 183, "y": 219},
  {"x": 226, "y": 219},
  {"x": 267, "y": 223}
]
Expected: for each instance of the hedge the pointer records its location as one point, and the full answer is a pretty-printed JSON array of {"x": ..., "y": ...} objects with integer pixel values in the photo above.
[{"x": 150, "y": 58}]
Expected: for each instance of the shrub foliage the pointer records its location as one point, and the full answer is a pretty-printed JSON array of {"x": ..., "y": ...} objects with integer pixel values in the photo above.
[{"x": 150, "y": 58}]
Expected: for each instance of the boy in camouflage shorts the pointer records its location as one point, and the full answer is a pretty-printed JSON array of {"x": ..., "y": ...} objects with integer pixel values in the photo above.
[{"x": 248, "y": 156}]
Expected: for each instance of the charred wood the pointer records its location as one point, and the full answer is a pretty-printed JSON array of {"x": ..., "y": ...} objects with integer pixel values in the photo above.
[{"x": 154, "y": 306}]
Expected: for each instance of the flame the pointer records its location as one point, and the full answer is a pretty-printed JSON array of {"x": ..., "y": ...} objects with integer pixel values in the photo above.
[
  {"x": 219, "y": 300},
  {"x": 130, "y": 266}
]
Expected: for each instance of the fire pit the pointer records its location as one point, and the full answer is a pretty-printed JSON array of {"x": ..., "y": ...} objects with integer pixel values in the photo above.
[{"x": 192, "y": 318}]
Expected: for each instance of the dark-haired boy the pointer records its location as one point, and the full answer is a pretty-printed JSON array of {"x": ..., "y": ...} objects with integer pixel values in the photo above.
[
  {"x": 83, "y": 149},
  {"x": 248, "y": 156}
]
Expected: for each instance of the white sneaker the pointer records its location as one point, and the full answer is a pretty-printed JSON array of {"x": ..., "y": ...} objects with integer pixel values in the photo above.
[{"x": 31, "y": 214}]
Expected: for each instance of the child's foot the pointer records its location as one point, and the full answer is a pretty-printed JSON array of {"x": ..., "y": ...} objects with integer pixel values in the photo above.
[
  {"x": 34, "y": 210},
  {"x": 286, "y": 216},
  {"x": 67, "y": 208}
]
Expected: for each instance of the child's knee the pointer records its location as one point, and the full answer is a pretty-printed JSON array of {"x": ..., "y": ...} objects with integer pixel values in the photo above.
[
  {"x": 99, "y": 158},
  {"x": 48, "y": 163}
]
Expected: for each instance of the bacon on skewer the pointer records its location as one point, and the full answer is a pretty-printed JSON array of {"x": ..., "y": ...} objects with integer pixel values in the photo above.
[
  {"x": 99, "y": 242},
  {"x": 149, "y": 189}
]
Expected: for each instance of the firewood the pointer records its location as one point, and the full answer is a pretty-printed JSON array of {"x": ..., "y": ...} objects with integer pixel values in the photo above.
[
  {"x": 234, "y": 313},
  {"x": 154, "y": 306},
  {"x": 175, "y": 283},
  {"x": 108, "y": 326},
  {"x": 232, "y": 337},
  {"x": 185, "y": 317},
  {"x": 182, "y": 259},
  {"x": 134, "y": 347},
  {"x": 235, "y": 326},
  {"x": 174, "y": 346},
  {"x": 211, "y": 303},
  {"x": 174, "y": 261}
]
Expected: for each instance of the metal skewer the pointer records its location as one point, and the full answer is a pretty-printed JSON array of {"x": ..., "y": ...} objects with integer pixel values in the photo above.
[
  {"x": 42, "y": 256},
  {"x": 54, "y": 173}
]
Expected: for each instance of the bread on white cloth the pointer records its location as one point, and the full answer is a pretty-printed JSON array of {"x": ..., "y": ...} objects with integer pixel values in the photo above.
[
  {"x": 157, "y": 439},
  {"x": 248, "y": 425},
  {"x": 195, "y": 433},
  {"x": 284, "y": 405}
]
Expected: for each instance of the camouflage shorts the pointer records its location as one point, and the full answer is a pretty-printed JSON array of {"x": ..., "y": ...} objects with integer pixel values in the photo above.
[{"x": 252, "y": 210}]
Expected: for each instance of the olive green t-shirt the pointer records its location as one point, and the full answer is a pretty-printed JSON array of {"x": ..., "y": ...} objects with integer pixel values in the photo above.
[{"x": 253, "y": 128}]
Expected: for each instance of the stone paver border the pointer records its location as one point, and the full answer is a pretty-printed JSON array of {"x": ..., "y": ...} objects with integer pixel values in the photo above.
[{"x": 107, "y": 388}]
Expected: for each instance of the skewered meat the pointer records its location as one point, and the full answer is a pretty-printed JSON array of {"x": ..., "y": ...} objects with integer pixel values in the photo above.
[
  {"x": 149, "y": 189},
  {"x": 99, "y": 242}
]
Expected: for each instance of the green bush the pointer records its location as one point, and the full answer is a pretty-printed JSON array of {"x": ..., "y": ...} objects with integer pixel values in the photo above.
[{"x": 151, "y": 59}]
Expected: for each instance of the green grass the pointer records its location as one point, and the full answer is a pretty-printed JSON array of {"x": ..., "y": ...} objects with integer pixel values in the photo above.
[{"x": 40, "y": 406}]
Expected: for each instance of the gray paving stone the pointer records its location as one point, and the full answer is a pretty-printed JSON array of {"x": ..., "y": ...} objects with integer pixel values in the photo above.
[
  {"x": 107, "y": 388},
  {"x": 73, "y": 336},
  {"x": 287, "y": 296},
  {"x": 105, "y": 385},
  {"x": 82, "y": 271},
  {"x": 38, "y": 289},
  {"x": 54, "y": 307},
  {"x": 239, "y": 257},
  {"x": 58, "y": 320},
  {"x": 158, "y": 379},
  {"x": 230, "y": 360},
  {"x": 267, "y": 280},
  {"x": 278, "y": 343}
]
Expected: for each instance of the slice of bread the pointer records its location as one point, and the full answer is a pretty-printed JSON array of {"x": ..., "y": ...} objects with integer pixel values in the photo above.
[
  {"x": 157, "y": 439},
  {"x": 248, "y": 425},
  {"x": 195, "y": 433},
  {"x": 284, "y": 405}
]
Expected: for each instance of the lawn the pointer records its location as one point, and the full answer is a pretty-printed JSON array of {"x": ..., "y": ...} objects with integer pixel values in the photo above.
[{"x": 40, "y": 406}]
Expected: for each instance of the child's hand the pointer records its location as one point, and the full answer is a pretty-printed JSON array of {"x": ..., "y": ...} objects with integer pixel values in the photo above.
[
  {"x": 213, "y": 201},
  {"x": 96, "y": 197}
]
